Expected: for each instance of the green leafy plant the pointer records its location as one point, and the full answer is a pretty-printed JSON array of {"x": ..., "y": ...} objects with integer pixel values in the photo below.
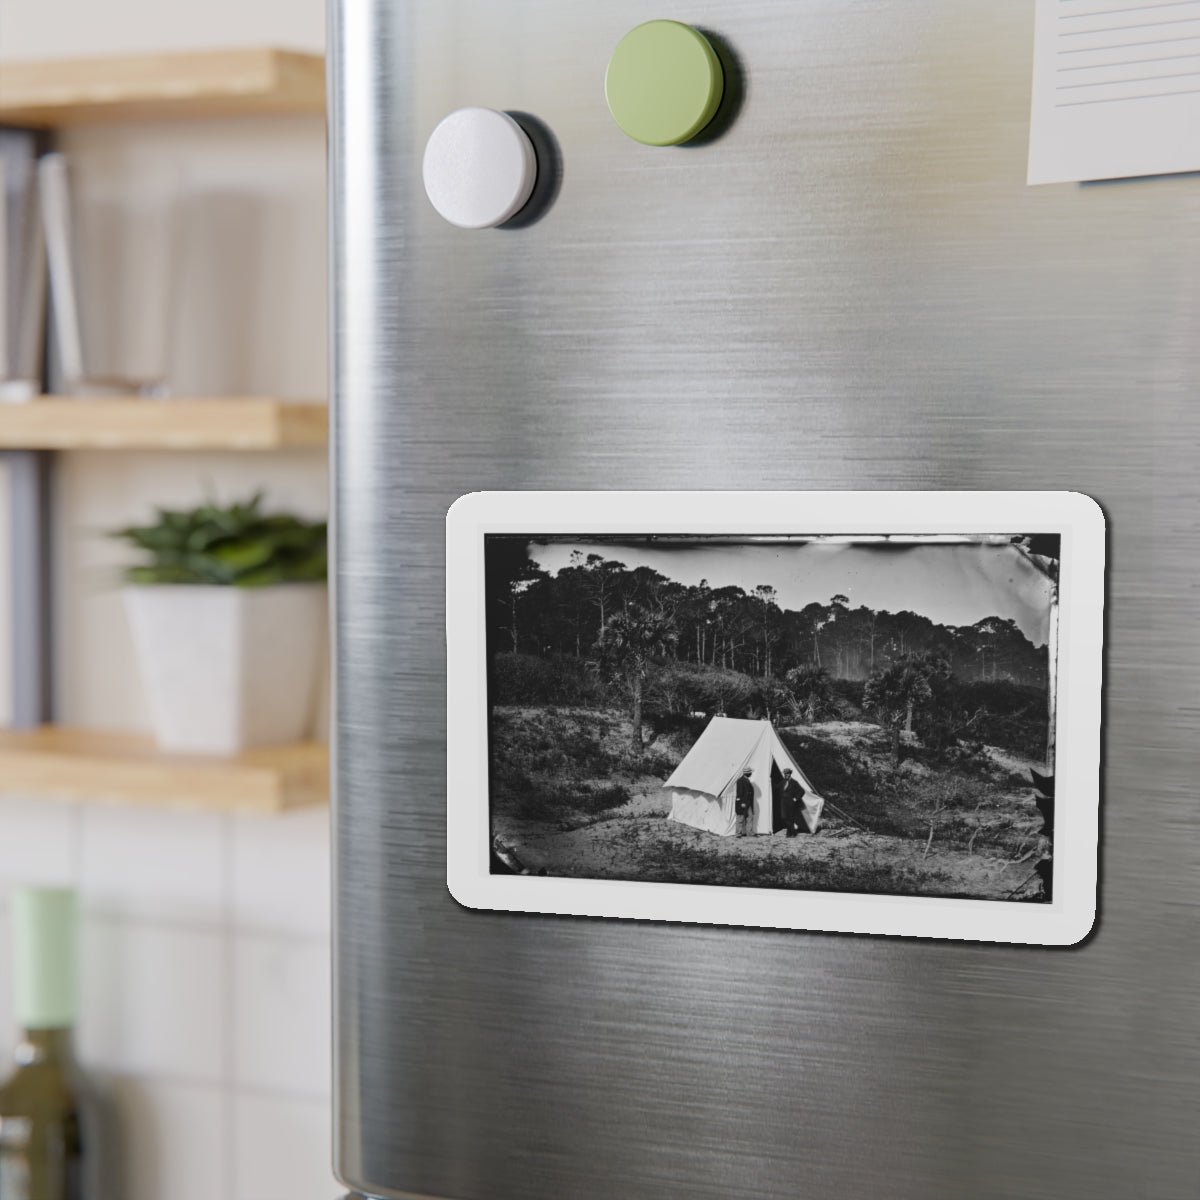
[{"x": 237, "y": 546}]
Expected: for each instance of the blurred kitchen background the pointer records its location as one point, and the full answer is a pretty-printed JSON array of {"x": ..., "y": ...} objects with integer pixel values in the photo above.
[{"x": 205, "y": 937}]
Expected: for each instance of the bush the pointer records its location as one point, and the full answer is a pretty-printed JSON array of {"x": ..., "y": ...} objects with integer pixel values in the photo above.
[
  {"x": 529, "y": 799},
  {"x": 547, "y": 744},
  {"x": 997, "y": 713},
  {"x": 598, "y": 798},
  {"x": 519, "y": 794},
  {"x": 955, "y": 792},
  {"x": 675, "y": 690},
  {"x": 556, "y": 767},
  {"x": 527, "y": 679},
  {"x": 848, "y": 697},
  {"x": 675, "y": 727},
  {"x": 773, "y": 700},
  {"x": 653, "y": 760},
  {"x": 680, "y": 688}
]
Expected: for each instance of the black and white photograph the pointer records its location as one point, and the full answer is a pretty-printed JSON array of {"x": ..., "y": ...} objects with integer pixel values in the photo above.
[
  {"x": 869, "y": 712},
  {"x": 863, "y": 714}
]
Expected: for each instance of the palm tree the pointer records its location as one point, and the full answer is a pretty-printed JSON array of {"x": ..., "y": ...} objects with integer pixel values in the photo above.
[
  {"x": 893, "y": 693},
  {"x": 632, "y": 640},
  {"x": 810, "y": 687}
]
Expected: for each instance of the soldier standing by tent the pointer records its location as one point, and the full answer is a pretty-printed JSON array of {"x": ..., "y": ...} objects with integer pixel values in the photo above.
[
  {"x": 743, "y": 805},
  {"x": 793, "y": 804}
]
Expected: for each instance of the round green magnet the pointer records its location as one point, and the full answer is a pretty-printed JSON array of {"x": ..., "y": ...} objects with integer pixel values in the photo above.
[{"x": 664, "y": 83}]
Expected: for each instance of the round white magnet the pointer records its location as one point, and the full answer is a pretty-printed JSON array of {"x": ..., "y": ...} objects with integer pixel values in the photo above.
[{"x": 479, "y": 168}]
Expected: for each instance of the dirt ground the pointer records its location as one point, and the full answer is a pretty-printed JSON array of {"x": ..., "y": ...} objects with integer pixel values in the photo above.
[
  {"x": 637, "y": 840},
  {"x": 617, "y": 847}
]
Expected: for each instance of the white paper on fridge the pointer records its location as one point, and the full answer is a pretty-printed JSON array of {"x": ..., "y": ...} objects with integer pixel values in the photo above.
[{"x": 1116, "y": 89}]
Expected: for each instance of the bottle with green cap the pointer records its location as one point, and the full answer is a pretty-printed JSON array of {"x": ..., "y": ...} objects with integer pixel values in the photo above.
[{"x": 42, "y": 1121}]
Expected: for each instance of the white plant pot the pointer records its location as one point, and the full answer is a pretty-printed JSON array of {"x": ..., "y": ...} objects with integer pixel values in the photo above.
[{"x": 227, "y": 668}]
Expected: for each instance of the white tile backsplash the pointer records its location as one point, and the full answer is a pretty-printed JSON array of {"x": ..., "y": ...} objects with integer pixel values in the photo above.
[
  {"x": 171, "y": 1140},
  {"x": 282, "y": 1150},
  {"x": 281, "y": 872},
  {"x": 155, "y": 1000},
  {"x": 205, "y": 977},
  {"x": 38, "y": 843},
  {"x": 155, "y": 864},
  {"x": 281, "y": 1015}
]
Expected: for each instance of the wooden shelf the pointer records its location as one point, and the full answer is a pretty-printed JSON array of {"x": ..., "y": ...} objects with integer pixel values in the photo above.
[
  {"x": 78, "y": 764},
  {"x": 216, "y": 83},
  {"x": 228, "y": 423}
]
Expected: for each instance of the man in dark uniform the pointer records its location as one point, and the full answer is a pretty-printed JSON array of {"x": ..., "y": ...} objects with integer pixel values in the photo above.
[
  {"x": 743, "y": 804},
  {"x": 793, "y": 804}
]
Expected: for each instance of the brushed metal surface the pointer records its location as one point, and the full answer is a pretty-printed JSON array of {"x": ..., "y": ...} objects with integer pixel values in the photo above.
[{"x": 852, "y": 288}]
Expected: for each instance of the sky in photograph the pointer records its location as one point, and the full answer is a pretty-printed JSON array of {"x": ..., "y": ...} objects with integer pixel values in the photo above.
[{"x": 948, "y": 583}]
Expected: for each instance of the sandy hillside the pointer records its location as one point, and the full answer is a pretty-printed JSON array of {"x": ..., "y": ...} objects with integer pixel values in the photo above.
[{"x": 985, "y": 827}]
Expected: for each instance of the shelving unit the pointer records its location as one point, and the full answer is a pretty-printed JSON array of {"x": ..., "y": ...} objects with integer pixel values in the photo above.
[
  {"x": 225, "y": 423},
  {"x": 218, "y": 83},
  {"x": 37, "y": 758},
  {"x": 80, "y": 764}
]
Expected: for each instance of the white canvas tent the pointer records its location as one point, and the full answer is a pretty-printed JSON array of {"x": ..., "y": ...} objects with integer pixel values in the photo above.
[{"x": 702, "y": 786}]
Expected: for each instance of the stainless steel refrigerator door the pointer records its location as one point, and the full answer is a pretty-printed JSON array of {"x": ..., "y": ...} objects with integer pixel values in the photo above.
[{"x": 852, "y": 288}]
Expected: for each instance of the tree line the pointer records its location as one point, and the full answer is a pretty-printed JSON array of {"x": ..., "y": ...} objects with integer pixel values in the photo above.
[{"x": 597, "y": 604}]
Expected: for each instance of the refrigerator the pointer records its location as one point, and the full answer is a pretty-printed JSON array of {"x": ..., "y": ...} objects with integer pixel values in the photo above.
[{"x": 843, "y": 283}]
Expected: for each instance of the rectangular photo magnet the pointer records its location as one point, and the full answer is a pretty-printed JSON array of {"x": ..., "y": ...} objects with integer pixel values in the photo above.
[{"x": 856, "y": 712}]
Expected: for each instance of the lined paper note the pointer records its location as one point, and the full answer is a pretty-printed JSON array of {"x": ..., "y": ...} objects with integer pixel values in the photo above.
[{"x": 1116, "y": 89}]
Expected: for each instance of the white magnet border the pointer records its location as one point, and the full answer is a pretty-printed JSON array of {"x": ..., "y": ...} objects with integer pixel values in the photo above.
[{"x": 1077, "y": 518}]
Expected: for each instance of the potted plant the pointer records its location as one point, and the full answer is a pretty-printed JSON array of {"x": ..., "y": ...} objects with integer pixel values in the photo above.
[{"x": 228, "y": 621}]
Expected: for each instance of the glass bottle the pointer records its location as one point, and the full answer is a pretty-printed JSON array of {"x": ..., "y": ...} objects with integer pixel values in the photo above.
[{"x": 41, "y": 1106}]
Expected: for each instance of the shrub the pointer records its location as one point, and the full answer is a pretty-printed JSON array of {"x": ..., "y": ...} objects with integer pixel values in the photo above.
[
  {"x": 810, "y": 693},
  {"x": 674, "y": 690},
  {"x": 954, "y": 792},
  {"x": 674, "y": 726},
  {"x": 847, "y": 697},
  {"x": 518, "y": 794},
  {"x": 547, "y": 744},
  {"x": 560, "y": 802},
  {"x": 598, "y": 798},
  {"x": 773, "y": 700},
  {"x": 680, "y": 688},
  {"x": 998, "y": 713},
  {"x": 527, "y": 679},
  {"x": 655, "y": 760}
]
